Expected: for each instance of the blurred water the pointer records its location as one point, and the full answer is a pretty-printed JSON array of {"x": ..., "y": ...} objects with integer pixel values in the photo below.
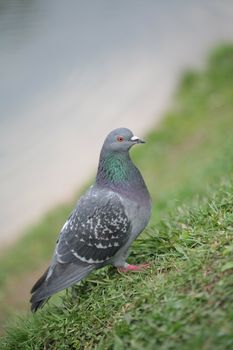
[{"x": 72, "y": 71}]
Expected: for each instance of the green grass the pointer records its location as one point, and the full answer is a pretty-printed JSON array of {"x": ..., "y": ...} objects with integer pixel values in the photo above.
[{"x": 185, "y": 300}]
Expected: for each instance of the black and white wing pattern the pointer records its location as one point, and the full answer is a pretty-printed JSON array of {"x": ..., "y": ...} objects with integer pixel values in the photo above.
[
  {"x": 97, "y": 228},
  {"x": 95, "y": 231}
]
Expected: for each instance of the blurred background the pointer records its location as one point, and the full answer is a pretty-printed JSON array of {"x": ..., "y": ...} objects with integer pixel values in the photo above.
[{"x": 72, "y": 71}]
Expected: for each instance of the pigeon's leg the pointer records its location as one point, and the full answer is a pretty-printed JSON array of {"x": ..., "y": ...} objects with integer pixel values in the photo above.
[
  {"x": 134, "y": 268},
  {"x": 122, "y": 266}
]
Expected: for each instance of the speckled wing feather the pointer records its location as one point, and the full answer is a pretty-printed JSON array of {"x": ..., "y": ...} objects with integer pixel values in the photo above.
[
  {"x": 95, "y": 231},
  {"x": 97, "y": 228}
]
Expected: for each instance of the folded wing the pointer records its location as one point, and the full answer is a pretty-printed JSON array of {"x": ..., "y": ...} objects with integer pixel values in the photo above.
[{"x": 97, "y": 228}]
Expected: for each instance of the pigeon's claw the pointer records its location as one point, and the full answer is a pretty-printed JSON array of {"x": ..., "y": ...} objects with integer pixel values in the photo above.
[{"x": 134, "y": 268}]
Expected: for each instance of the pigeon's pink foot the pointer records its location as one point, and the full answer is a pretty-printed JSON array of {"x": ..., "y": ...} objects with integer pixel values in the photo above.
[{"x": 134, "y": 268}]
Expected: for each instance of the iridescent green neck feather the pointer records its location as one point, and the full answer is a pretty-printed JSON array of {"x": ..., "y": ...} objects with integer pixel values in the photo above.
[
  {"x": 117, "y": 172},
  {"x": 114, "y": 168}
]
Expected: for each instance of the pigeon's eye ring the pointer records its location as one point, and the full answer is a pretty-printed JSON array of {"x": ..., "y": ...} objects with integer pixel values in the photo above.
[{"x": 120, "y": 138}]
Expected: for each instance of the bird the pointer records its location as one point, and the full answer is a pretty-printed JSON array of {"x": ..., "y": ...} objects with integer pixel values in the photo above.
[{"x": 104, "y": 223}]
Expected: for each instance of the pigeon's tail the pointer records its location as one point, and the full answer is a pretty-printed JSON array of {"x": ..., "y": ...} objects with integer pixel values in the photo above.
[
  {"x": 40, "y": 281},
  {"x": 36, "y": 305},
  {"x": 55, "y": 279}
]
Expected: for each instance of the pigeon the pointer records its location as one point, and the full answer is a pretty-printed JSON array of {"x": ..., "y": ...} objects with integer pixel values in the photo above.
[{"x": 104, "y": 223}]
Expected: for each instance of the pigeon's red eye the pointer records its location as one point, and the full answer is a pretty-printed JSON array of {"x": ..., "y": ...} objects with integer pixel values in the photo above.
[{"x": 120, "y": 138}]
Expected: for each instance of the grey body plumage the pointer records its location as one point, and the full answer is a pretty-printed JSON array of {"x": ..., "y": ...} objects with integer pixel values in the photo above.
[{"x": 104, "y": 223}]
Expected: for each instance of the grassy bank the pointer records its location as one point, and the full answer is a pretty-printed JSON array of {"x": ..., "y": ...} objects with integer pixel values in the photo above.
[{"x": 185, "y": 300}]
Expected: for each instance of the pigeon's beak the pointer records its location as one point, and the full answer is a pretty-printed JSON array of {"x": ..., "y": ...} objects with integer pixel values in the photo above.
[{"x": 136, "y": 139}]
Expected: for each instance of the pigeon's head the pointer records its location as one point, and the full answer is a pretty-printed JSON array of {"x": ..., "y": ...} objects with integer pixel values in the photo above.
[{"x": 121, "y": 140}]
